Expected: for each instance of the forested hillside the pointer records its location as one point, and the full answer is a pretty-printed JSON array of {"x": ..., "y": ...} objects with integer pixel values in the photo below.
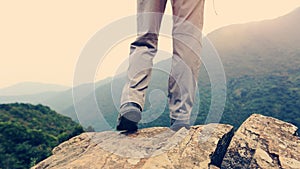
[
  {"x": 28, "y": 133},
  {"x": 274, "y": 94}
]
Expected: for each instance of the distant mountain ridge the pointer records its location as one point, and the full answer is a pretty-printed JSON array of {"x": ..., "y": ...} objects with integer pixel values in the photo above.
[
  {"x": 30, "y": 88},
  {"x": 259, "y": 47}
]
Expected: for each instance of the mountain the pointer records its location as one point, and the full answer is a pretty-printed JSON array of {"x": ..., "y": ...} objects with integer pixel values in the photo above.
[
  {"x": 30, "y": 88},
  {"x": 60, "y": 101},
  {"x": 261, "y": 62},
  {"x": 260, "y": 142},
  {"x": 29, "y": 132},
  {"x": 262, "y": 65},
  {"x": 259, "y": 48}
]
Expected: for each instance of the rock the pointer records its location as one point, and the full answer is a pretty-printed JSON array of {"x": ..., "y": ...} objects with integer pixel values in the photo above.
[
  {"x": 260, "y": 142},
  {"x": 200, "y": 147},
  {"x": 263, "y": 142}
]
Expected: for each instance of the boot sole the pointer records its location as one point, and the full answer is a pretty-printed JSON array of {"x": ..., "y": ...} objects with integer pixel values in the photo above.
[{"x": 129, "y": 120}]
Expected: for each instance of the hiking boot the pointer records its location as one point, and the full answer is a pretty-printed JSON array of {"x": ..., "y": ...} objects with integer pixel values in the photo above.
[
  {"x": 178, "y": 124},
  {"x": 129, "y": 116}
]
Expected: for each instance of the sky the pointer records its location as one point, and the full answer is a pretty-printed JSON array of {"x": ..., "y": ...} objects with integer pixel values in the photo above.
[{"x": 40, "y": 41}]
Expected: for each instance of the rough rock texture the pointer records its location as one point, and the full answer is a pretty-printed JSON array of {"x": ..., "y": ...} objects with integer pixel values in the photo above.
[
  {"x": 264, "y": 142},
  {"x": 260, "y": 142},
  {"x": 200, "y": 147}
]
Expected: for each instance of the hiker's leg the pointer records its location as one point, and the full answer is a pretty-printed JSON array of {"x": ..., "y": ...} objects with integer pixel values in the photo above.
[
  {"x": 188, "y": 23},
  {"x": 142, "y": 50}
]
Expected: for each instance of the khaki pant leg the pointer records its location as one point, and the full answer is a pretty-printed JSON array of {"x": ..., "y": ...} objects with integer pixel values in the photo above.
[
  {"x": 143, "y": 50},
  {"x": 188, "y": 23}
]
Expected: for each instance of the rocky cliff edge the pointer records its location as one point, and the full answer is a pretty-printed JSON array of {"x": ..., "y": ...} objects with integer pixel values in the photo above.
[{"x": 260, "y": 142}]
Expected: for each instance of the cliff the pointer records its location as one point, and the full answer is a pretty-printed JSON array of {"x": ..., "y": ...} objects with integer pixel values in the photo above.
[{"x": 260, "y": 142}]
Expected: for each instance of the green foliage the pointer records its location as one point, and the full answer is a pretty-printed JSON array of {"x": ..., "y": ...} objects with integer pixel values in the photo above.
[
  {"x": 274, "y": 94},
  {"x": 28, "y": 133}
]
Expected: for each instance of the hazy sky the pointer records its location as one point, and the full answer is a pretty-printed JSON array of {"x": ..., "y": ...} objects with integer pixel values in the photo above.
[{"x": 40, "y": 40}]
